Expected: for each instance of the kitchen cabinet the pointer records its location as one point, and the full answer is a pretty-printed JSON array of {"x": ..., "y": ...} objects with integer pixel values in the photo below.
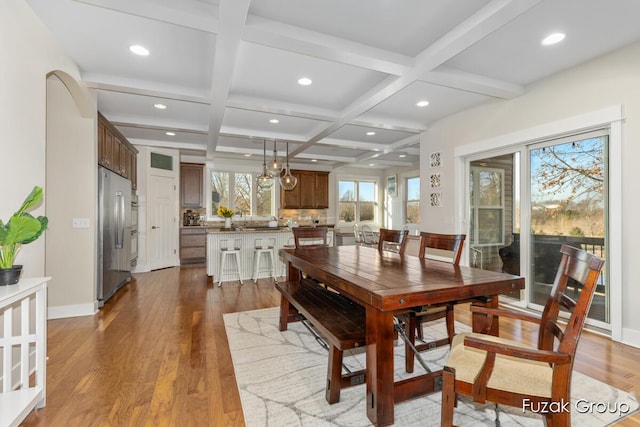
[
  {"x": 312, "y": 191},
  {"x": 193, "y": 245},
  {"x": 191, "y": 185},
  {"x": 115, "y": 152}
]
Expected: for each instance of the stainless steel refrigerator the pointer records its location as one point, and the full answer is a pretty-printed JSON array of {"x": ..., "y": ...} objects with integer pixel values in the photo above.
[{"x": 114, "y": 233}]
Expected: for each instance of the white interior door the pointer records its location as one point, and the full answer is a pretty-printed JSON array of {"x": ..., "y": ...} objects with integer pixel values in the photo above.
[{"x": 162, "y": 199}]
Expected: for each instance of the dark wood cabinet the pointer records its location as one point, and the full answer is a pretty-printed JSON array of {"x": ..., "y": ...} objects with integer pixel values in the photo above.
[
  {"x": 115, "y": 152},
  {"x": 191, "y": 185},
  {"x": 312, "y": 191},
  {"x": 193, "y": 245}
]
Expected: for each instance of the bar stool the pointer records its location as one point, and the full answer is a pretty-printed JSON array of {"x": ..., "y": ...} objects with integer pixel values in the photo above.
[
  {"x": 264, "y": 246},
  {"x": 229, "y": 247}
]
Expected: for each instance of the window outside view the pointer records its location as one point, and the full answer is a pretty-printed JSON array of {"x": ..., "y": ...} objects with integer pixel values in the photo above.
[
  {"x": 568, "y": 205},
  {"x": 240, "y": 197},
  {"x": 357, "y": 201},
  {"x": 412, "y": 209}
]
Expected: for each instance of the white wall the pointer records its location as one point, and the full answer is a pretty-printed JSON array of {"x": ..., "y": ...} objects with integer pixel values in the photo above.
[
  {"x": 28, "y": 55},
  {"x": 610, "y": 80},
  {"x": 70, "y": 252}
]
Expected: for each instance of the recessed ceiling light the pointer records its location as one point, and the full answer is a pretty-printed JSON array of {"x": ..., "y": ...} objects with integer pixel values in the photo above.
[
  {"x": 553, "y": 39},
  {"x": 160, "y": 106},
  {"x": 370, "y": 133},
  {"x": 304, "y": 81},
  {"x": 422, "y": 103},
  {"x": 314, "y": 160},
  {"x": 247, "y": 155},
  {"x": 170, "y": 133},
  {"x": 372, "y": 164},
  {"x": 274, "y": 121},
  {"x": 139, "y": 50},
  {"x": 402, "y": 155}
]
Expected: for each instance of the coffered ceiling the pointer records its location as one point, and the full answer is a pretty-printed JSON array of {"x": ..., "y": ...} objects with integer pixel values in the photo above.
[{"x": 226, "y": 68}]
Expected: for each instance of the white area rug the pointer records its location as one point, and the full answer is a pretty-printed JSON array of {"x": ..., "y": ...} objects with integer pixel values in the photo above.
[{"x": 281, "y": 377}]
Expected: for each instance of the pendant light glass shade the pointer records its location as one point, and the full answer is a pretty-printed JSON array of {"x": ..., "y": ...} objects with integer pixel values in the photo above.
[
  {"x": 275, "y": 167},
  {"x": 265, "y": 180},
  {"x": 288, "y": 181}
]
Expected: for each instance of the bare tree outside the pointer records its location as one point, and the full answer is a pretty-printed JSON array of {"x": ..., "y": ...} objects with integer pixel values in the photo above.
[
  {"x": 568, "y": 191},
  {"x": 413, "y": 201},
  {"x": 219, "y": 191},
  {"x": 356, "y": 201},
  {"x": 242, "y": 187},
  {"x": 347, "y": 201}
]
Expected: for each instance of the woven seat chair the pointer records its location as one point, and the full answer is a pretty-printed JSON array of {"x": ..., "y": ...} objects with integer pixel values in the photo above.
[{"x": 509, "y": 372}]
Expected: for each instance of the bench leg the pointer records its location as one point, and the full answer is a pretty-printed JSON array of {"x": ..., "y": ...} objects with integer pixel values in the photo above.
[
  {"x": 284, "y": 313},
  {"x": 334, "y": 374}
]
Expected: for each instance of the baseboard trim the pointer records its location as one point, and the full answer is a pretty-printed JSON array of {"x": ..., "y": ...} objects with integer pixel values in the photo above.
[
  {"x": 77, "y": 310},
  {"x": 631, "y": 337}
]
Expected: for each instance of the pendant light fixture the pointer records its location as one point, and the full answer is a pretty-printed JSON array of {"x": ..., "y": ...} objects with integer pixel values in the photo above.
[
  {"x": 288, "y": 181},
  {"x": 275, "y": 167},
  {"x": 265, "y": 180}
]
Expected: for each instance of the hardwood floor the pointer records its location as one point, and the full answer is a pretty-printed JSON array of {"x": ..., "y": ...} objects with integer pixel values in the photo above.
[{"x": 157, "y": 354}]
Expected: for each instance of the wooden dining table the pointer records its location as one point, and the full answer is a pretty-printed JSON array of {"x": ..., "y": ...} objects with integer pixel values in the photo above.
[{"x": 386, "y": 284}]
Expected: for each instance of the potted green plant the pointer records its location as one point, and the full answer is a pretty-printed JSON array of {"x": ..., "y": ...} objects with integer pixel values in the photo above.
[{"x": 22, "y": 228}]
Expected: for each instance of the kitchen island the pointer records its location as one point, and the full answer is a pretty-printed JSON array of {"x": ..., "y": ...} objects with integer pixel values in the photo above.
[{"x": 247, "y": 236}]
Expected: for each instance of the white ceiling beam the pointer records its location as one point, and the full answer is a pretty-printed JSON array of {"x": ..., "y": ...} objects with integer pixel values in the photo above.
[
  {"x": 490, "y": 18},
  {"x": 487, "y": 20},
  {"x": 482, "y": 85},
  {"x": 196, "y": 15},
  {"x": 167, "y": 144},
  {"x": 233, "y": 15},
  {"x": 310, "y": 43},
  {"x": 354, "y": 145},
  {"x": 248, "y": 103},
  {"x": 176, "y": 96}
]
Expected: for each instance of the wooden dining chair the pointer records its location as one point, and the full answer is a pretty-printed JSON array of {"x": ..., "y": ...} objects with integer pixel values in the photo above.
[
  {"x": 393, "y": 240},
  {"x": 310, "y": 236},
  {"x": 512, "y": 373},
  {"x": 444, "y": 247}
]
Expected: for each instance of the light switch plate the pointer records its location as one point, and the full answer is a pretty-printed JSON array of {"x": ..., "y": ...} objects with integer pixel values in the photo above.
[{"x": 80, "y": 223}]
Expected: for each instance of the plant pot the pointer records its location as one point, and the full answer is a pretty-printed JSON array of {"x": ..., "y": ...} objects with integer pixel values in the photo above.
[{"x": 10, "y": 276}]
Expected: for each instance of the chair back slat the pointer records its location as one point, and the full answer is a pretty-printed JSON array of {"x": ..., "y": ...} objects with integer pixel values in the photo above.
[
  {"x": 584, "y": 269},
  {"x": 393, "y": 240},
  {"x": 368, "y": 237},
  {"x": 310, "y": 236},
  {"x": 445, "y": 242}
]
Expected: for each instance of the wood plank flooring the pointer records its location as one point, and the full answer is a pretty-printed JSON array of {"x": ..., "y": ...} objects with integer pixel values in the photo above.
[{"x": 157, "y": 355}]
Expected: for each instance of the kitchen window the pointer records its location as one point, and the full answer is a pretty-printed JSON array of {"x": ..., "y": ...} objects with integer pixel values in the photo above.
[
  {"x": 235, "y": 190},
  {"x": 357, "y": 201}
]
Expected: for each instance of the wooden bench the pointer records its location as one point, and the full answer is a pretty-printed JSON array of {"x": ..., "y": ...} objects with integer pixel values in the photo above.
[{"x": 340, "y": 321}]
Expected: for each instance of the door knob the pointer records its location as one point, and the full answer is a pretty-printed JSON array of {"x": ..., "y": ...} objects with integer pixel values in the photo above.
[{"x": 153, "y": 227}]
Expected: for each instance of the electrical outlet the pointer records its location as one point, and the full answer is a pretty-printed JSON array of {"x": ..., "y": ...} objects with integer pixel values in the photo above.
[{"x": 80, "y": 223}]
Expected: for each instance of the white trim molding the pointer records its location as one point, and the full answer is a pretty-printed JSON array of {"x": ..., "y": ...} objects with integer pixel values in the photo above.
[{"x": 611, "y": 117}]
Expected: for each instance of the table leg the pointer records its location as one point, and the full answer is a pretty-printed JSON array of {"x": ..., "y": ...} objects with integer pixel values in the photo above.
[{"x": 380, "y": 387}]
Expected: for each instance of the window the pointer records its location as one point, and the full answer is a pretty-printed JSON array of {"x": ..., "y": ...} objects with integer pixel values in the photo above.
[
  {"x": 487, "y": 206},
  {"x": 236, "y": 191},
  {"x": 412, "y": 201},
  {"x": 357, "y": 201}
]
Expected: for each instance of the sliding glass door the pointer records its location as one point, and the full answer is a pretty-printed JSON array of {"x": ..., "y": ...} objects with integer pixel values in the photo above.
[
  {"x": 555, "y": 192},
  {"x": 568, "y": 184}
]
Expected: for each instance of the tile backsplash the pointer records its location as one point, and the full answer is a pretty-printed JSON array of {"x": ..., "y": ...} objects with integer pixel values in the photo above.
[{"x": 304, "y": 216}]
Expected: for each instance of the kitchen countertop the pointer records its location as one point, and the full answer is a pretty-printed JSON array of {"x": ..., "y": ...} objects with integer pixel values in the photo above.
[{"x": 215, "y": 230}]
